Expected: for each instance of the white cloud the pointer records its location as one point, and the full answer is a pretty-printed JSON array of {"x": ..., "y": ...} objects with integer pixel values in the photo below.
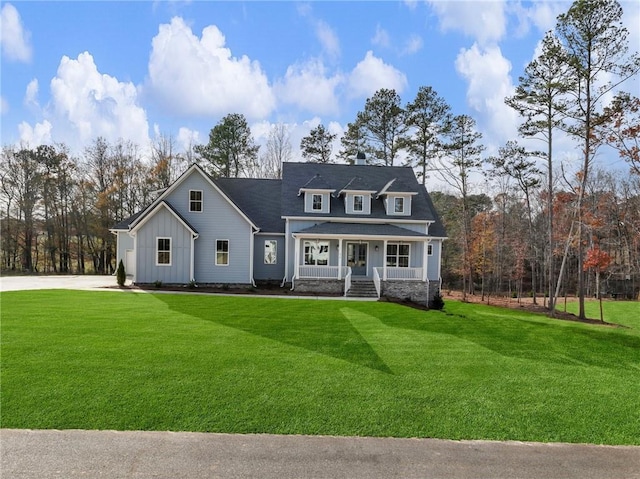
[
  {"x": 199, "y": 76},
  {"x": 371, "y": 74},
  {"x": 308, "y": 87},
  {"x": 37, "y": 135},
  {"x": 485, "y": 21},
  {"x": 187, "y": 138},
  {"x": 86, "y": 104},
  {"x": 328, "y": 39},
  {"x": 489, "y": 82},
  {"x": 412, "y": 45},
  {"x": 4, "y": 105},
  {"x": 31, "y": 94},
  {"x": 381, "y": 37},
  {"x": 14, "y": 39}
]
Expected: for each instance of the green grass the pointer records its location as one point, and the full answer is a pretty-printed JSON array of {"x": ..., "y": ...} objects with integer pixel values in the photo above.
[{"x": 107, "y": 360}]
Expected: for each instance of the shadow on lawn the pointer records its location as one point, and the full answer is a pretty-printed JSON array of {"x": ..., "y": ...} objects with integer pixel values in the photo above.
[
  {"x": 529, "y": 338},
  {"x": 284, "y": 321}
]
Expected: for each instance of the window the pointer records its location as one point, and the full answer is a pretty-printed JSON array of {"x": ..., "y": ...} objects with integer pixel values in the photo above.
[
  {"x": 316, "y": 202},
  {"x": 270, "y": 249},
  {"x": 358, "y": 202},
  {"x": 316, "y": 253},
  {"x": 163, "y": 252},
  {"x": 195, "y": 200},
  {"x": 429, "y": 250},
  {"x": 222, "y": 252},
  {"x": 398, "y": 255},
  {"x": 398, "y": 205}
]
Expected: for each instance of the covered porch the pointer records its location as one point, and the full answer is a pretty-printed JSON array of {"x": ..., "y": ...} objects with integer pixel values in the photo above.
[{"x": 342, "y": 252}]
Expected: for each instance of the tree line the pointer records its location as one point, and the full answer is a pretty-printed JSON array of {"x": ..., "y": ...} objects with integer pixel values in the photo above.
[{"x": 528, "y": 230}]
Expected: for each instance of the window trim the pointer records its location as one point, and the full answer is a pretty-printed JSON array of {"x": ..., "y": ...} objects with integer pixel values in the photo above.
[
  {"x": 395, "y": 205},
  {"x": 397, "y": 255},
  {"x": 275, "y": 252},
  {"x": 158, "y": 250},
  {"x": 361, "y": 210},
  {"x": 313, "y": 202},
  {"x": 193, "y": 202},
  {"x": 305, "y": 254},
  {"x": 218, "y": 251}
]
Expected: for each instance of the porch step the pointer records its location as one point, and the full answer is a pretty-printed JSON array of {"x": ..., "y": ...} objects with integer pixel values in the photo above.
[{"x": 362, "y": 289}]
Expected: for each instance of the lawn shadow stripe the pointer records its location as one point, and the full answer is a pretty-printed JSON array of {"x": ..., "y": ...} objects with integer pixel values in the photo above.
[
  {"x": 287, "y": 322},
  {"x": 523, "y": 336}
]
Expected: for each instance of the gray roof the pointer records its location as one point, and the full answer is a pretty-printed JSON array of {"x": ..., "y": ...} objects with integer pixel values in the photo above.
[
  {"x": 296, "y": 175},
  {"x": 258, "y": 199},
  {"x": 360, "y": 229},
  {"x": 266, "y": 201}
]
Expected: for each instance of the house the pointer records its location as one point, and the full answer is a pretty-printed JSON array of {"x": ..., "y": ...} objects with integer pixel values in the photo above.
[{"x": 322, "y": 228}]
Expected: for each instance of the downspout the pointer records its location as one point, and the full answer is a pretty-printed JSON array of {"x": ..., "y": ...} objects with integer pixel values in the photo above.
[
  {"x": 286, "y": 253},
  {"x": 192, "y": 259},
  {"x": 251, "y": 256}
]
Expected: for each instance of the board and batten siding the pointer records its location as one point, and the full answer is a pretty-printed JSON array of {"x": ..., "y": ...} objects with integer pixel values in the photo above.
[
  {"x": 218, "y": 220},
  {"x": 163, "y": 224}
]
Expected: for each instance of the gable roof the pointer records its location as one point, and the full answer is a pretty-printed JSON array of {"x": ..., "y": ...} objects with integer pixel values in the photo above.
[
  {"x": 259, "y": 199},
  {"x": 172, "y": 210},
  {"x": 296, "y": 175}
]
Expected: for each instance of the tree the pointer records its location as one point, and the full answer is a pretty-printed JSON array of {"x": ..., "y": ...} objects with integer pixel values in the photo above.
[
  {"x": 463, "y": 158},
  {"x": 354, "y": 141},
  {"x": 427, "y": 117},
  {"x": 517, "y": 163},
  {"x": 540, "y": 99},
  {"x": 384, "y": 125},
  {"x": 231, "y": 150},
  {"x": 599, "y": 261},
  {"x": 278, "y": 152},
  {"x": 316, "y": 147},
  {"x": 121, "y": 275},
  {"x": 621, "y": 130},
  {"x": 596, "y": 49}
]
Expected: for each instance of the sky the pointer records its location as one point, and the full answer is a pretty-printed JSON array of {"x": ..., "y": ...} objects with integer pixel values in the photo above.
[{"x": 73, "y": 71}]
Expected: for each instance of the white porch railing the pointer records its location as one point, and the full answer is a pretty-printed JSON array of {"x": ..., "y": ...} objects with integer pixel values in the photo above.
[
  {"x": 403, "y": 274},
  {"x": 322, "y": 272},
  {"x": 347, "y": 281},
  {"x": 376, "y": 281}
]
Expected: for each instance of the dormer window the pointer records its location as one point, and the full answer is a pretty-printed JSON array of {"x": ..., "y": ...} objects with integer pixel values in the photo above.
[
  {"x": 398, "y": 205},
  {"x": 316, "y": 202},
  {"x": 358, "y": 203}
]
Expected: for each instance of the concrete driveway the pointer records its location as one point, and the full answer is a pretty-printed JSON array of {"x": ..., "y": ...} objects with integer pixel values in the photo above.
[
  {"x": 29, "y": 454},
  {"x": 16, "y": 283}
]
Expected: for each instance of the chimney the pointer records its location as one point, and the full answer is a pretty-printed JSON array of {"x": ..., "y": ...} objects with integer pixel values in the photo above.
[{"x": 361, "y": 159}]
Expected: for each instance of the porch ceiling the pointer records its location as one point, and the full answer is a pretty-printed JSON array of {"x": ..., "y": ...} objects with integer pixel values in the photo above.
[{"x": 359, "y": 230}]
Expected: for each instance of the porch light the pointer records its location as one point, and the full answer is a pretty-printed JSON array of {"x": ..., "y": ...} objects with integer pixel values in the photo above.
[{"x": 376, "y": 248}]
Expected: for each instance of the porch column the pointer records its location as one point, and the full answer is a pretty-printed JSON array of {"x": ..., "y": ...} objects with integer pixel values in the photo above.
[
  {"x": 384, "y": 260},
  {"x": 339, "y": 259},
  {"x": 425, "y": 260},
  {"x": 296, "y": 258}
]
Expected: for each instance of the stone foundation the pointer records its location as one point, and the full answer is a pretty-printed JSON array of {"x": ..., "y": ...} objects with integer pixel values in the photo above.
[
  {"x": 319, "y": 286},
  {"x": 415, "y": 291}
]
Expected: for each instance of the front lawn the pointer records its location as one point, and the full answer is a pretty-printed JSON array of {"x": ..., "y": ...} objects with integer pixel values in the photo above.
[{"x": 109, "y": 360}]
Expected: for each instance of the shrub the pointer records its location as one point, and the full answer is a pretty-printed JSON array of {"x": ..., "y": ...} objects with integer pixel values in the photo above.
[
  {"x": 121, "y": 275},
  {"x": 437, "y": 302},
  {"x": 192, "y": 284},
  {"x": 157, "y": 283}
]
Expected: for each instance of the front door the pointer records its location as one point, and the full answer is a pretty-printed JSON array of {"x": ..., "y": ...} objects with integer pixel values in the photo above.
[{"x": 357, "y": 258}]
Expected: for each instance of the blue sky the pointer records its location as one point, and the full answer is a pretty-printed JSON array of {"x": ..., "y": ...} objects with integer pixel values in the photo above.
[{"x": 72, "y": 71}]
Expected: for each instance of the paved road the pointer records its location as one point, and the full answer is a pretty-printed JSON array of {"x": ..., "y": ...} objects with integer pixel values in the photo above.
[{"x": 28, "y": 454}]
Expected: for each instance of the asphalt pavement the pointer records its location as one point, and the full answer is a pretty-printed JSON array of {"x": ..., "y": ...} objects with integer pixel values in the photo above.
[{"x": 70, "y": 454}]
